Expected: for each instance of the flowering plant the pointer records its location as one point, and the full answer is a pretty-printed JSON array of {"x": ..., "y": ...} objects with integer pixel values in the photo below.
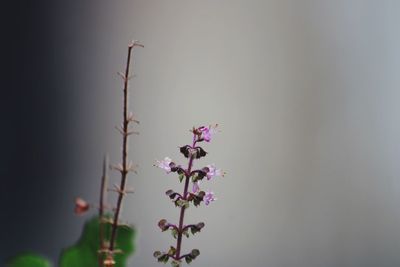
[{"x": 195, "y": 195}]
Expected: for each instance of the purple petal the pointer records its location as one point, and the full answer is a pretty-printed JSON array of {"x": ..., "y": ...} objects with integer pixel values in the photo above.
[
  {"x": 196, "y": 187},
  {"x": 164, "y": 164},
  {"x": 209, "y": 197}
]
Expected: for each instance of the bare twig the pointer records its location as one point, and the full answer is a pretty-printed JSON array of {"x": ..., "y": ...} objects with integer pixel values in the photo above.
[{"x": 124, "y": 167}]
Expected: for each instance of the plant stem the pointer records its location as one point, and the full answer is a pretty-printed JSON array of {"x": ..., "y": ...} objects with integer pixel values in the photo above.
[
  {"x": 124, "y": 170},
  {"x": 102, "y": 204},
  {"x": 182, "y": 213}
]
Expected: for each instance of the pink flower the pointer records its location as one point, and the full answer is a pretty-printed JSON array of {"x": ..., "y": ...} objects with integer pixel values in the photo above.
[
  {"x": 213, "y": 171},
  {"x": 208, "y": 131},
  {"x": 164, "y": 164},
  {"x": 196, "y": 187},
  {"x": 209, "y": 197}
]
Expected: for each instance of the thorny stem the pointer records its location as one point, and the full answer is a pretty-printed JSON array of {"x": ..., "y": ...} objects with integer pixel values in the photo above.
[
  {"x": 125, "y": 133},
  {"x": 102, "y": 204},
  {"x": 182, "y": 213}
]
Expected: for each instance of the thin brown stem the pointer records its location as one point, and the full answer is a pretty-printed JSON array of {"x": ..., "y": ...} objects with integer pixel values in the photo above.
[
  {"x": 125, "y": 134},
  {"x": 102, "y": 204}
]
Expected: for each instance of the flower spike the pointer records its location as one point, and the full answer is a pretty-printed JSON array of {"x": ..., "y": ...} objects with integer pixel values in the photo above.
[{"x": 185, "y": 199}]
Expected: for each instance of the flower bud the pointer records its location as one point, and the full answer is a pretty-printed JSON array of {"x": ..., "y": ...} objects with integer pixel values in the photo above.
[
  {"x": 163, "y": 225},
  {"x": 81, "y": 206}
]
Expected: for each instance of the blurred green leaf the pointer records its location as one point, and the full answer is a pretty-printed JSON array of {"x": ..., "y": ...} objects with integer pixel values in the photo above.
[
  {"x": 181, "y": 177},
  {"x": 28, "y": 260},
  {"x": 175, "y": 263},
  {"x": 174, "y": 233},
  {"x": 85, "y": 252}
]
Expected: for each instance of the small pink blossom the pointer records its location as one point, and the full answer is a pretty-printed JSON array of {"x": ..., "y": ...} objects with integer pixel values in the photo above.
[
  {"x": 213, "y": 171},
  {"x": 209, "y": 197},
  {"x": 196, "y": 187},
  {"x": 208, "y": 131},
  {"x": 164, "y": 164}
]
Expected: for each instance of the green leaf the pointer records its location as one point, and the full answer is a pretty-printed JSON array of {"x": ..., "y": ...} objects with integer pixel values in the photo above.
[
  {"x": 182, "y": 203},
  {"x": 175, "y": 263},
  {"x": 181, "y": 177},
  {"x": 186, "y": 233},
  {"x": 174, "y": 233},
  {"x": 188, "y": 259},
  {"x": 193, "y": 230},
  {"x": 85, "y": 252},
  {"x": 171, "y": 251},
  {"x": 28, "y": 260},
  {"x": 164, "y": 258}
]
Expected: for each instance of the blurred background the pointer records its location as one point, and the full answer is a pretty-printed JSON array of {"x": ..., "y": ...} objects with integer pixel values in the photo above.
[{"x": 306, "y": 94}]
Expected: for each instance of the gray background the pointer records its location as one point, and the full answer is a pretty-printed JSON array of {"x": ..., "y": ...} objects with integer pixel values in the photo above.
[{"x": 307, "y": 97}]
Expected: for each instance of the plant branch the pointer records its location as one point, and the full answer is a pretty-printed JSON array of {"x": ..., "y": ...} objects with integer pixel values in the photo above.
[
  {"x": 182, "y": 213},
  {"x": 125, "y": 134}
]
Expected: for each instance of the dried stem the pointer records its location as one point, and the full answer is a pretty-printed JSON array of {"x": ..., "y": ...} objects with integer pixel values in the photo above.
[
  {"x": 102, "y": 205},
  {"x": 125, "y": 134}
]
